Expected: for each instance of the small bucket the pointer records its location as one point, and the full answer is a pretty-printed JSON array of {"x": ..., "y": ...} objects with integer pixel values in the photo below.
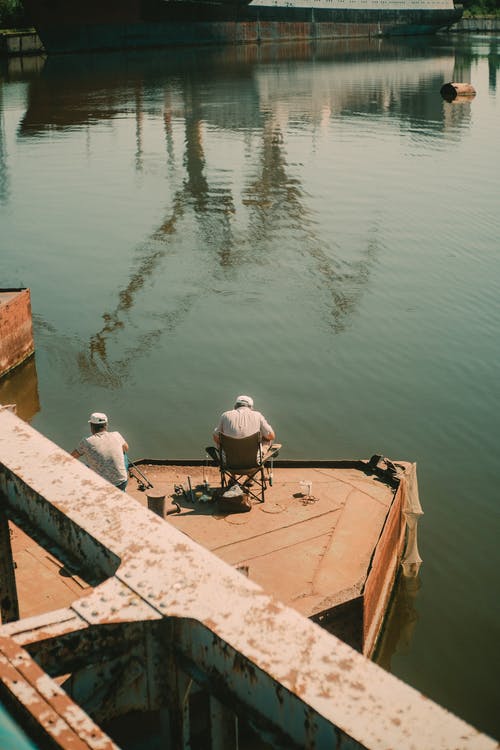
[{"x": 156, "y": 501}]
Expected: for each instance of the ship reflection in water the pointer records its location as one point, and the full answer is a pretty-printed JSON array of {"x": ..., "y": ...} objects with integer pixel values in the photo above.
[
  {"x": 263, "y": 90},
  {"x": 77, "y": 90},
  {"x": 402, "y": 618}
]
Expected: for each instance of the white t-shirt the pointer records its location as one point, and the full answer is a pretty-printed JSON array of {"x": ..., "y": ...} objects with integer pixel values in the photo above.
[
  {"x": 103, "y": 453},
  {"x": 243, "y": 422}
]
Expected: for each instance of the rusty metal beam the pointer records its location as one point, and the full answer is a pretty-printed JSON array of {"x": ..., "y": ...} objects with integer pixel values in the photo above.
[{"x": 42, "y": 708}]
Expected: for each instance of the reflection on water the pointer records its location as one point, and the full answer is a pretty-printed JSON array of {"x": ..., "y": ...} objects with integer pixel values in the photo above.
[
  {"x": 290, "y": 221},
  {"x": 20, "y": 387},
  {"x": 4, "y": 168},
  {"x": 402, "y": 618},
  {"x": 75, "y": 91},
  {"x": 493, "y": 65},
  {"x": 82, "y": 91}
]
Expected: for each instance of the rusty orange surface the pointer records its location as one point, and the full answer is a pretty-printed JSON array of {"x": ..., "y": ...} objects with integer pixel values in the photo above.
[
  {"x": 16, "y": 330},
  {"x": 43, "y": 582},
  {"x": 311, "y": 553}
]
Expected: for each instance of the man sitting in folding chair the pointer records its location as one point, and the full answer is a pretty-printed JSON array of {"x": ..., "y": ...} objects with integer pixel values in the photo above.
[{"x": 245, "y": 445}]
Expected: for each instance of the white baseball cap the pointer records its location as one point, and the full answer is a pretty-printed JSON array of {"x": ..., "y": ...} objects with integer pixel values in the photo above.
[
  {"x": 245, "y": 401},
  {"x": 98, "y": 417}
]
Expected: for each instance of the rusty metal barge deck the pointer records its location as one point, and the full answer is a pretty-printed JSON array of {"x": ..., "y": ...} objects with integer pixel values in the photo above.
[{"x": 332, "y": 555}]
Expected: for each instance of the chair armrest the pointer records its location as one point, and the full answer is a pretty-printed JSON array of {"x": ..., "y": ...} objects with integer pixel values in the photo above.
[{"x": 271, "y": 451}]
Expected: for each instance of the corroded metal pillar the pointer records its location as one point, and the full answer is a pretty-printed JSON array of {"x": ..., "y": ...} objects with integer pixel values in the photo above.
[
  {"x": 9, "y": 606},
  {"x": 223, "y": 726}
]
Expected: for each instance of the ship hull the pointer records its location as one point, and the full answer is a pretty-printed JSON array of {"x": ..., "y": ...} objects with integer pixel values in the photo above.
[{"x": 142, "y": 25}]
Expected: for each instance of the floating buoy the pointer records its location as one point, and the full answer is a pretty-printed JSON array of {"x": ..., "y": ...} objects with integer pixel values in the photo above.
[{"x": 450, "y": 91}]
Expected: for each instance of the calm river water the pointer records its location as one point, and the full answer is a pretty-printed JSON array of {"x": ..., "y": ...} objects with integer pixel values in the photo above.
[{"x": 315, "y": 227}]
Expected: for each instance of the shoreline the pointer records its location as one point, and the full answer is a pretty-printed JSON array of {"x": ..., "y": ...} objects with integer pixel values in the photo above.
[{"x": 26, "y": 42}]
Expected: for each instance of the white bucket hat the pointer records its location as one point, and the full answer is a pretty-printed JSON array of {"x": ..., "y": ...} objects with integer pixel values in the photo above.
[
  {"x": 98, "y": 417},
  {"x": 245, "y": 401}
]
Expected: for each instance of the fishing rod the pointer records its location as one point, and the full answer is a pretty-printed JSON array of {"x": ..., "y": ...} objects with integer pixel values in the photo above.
[{"x": 146, "y": 484}]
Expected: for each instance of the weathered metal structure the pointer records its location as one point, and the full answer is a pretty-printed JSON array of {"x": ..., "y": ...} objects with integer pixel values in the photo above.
[
  {"x": 176, "y": 634},
  {"x": 16, "y": 329}
]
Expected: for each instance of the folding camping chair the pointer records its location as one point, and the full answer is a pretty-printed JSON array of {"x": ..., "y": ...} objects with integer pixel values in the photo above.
[{"x": 245, "y": 457}]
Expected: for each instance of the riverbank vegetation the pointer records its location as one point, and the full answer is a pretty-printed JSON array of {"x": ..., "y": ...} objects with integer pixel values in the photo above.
[
  {"x": 12, "y": 15},
  {"x": 486, "y": 8}
]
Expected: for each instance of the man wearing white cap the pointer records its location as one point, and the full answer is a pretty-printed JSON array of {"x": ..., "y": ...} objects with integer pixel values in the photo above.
[
  {"x": 104, "y": 452},
  {"x": 243, "y": 421}
]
